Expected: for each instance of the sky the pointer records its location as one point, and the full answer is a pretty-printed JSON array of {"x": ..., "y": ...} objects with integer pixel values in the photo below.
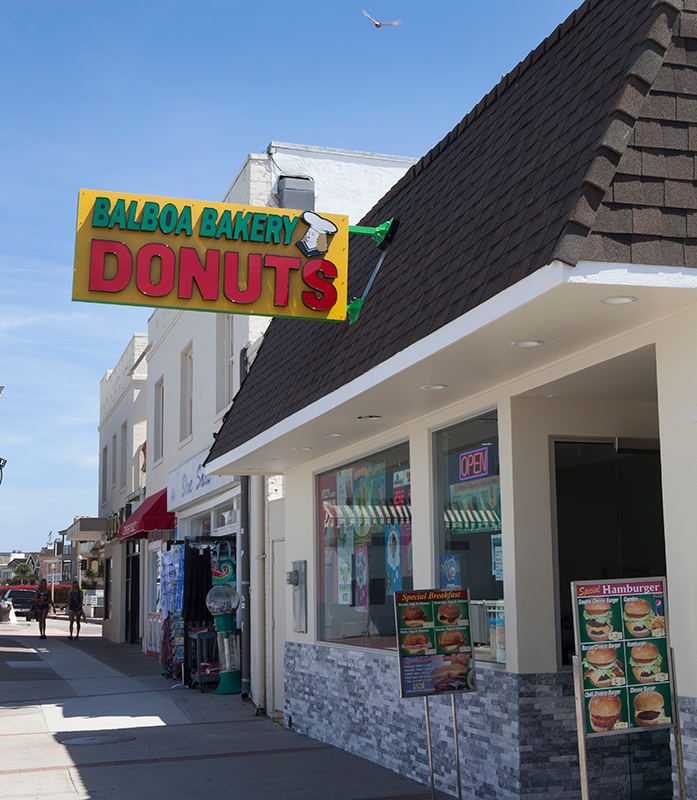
[{"x": 168, "y": 98}]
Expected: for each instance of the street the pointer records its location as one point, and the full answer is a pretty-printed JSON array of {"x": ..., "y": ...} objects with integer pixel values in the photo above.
[{"x": 93, "y": 719}]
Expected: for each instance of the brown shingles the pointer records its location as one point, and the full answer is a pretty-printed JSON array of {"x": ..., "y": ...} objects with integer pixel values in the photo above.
[{"x": 486, "y": 206}]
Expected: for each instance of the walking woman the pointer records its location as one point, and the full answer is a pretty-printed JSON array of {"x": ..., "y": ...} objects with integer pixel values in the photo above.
[
  {"x": 75, "y": 608},
  {"x": 42, "y": 601}
]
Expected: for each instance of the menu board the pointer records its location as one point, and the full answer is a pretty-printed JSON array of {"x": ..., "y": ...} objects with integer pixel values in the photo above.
[
  {"x": 622, "y": 643},
  {"x": 435, "y": 645}
]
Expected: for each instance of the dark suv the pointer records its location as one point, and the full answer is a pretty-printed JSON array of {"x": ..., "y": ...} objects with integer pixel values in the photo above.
[{"x": 22, "y": 600}]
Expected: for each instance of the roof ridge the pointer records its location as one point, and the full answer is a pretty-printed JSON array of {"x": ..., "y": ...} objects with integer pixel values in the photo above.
[
  {"x": 601, "y": 172},
  {"x": 497, "y": 91}
]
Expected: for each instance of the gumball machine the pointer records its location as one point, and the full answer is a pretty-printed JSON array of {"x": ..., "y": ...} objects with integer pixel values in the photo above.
[{"x": 222, "y": 602}]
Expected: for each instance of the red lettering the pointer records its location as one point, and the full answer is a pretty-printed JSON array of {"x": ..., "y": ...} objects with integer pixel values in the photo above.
[
  {"x": 316, "y": 273},
  {"x": 231, "y": 282},
  {"x": 124, "y": 266},
  {"x": 191, "y": 269},
  {"x": 144, "y": 260},
  {"x": 283, "y": 265}
]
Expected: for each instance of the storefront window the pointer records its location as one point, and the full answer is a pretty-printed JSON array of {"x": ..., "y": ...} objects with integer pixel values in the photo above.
[
  {"x": 200, "y": 525},
  {"x": 468, "y": 510},
  {"x": 227, "y": 514},
  {"x": 364, "y": 524}
]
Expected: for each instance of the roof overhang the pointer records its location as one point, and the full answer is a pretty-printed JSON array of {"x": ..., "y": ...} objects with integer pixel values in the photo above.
[
  {"x": 557, "y": 305},
  {"x": 87, "y": 529}
]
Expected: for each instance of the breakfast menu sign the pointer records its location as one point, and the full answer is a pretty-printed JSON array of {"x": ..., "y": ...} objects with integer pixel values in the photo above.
[
  {"x": 622, "y": 644},
  {"x": 435, "y": 645}
]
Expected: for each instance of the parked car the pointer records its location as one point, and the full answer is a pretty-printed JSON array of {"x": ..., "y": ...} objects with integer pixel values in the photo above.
[{"x": 21, "y": 599}]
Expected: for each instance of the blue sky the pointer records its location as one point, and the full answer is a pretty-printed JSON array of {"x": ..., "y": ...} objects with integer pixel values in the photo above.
[{"x": 168, "y": 98}]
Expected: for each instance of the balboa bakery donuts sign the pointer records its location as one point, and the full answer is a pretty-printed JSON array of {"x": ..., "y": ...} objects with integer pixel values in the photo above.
[
  {"x": 622, "y": 644},
  {"x": 185, "y": 254},
  {"x": 435, "y": 644}
]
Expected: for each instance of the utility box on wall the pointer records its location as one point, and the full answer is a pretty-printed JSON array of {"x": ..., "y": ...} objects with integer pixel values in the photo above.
[
  {"x": 296, "y": 193},
  {"x": 297, "y": 578}
]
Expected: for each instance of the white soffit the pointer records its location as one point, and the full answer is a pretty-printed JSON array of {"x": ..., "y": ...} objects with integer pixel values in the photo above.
[{"x": 558, "y": 305}]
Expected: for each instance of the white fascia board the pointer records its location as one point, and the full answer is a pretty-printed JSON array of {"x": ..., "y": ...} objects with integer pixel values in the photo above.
[{"x": 541, "y": 281}]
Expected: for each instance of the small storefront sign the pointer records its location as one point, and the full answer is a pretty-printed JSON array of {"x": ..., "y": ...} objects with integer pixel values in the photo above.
[
  {"x": 436, "y": 655},
  {"x": 623, "y": 646},
  {"x": 186, "y": 254}
]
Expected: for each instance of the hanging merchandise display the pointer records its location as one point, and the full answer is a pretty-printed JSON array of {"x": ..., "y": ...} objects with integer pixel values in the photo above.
[
  {"x": 172, "y": 629},
  {"x": 223, "y": 565}
]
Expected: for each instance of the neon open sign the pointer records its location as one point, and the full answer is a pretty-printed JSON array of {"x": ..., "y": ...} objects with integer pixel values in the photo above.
[{"x": 474, "y": 464}]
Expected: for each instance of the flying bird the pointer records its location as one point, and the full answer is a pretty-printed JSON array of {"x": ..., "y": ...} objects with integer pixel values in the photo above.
[{"x": 380, "y": 24}]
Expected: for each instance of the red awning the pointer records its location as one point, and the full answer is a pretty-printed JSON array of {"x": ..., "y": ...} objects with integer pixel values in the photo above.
[{"x": 151, "y": 515}]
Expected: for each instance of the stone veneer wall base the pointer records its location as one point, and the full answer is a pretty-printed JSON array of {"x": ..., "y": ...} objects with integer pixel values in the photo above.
[{"x": 517, "y": 732}]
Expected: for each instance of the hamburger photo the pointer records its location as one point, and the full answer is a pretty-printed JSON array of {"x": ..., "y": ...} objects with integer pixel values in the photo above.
[
  {"x": 449, "y": 614},
  {"x": 416, "y": 643},
  {"x": 645, "y": 661},
  {"x": 648, "y": 709},
  {"x": 450, "y": 677},
  {"x": 638, "y": 617},
  {"x": 451, "y": 640},
  {"x": 413, "y": 616},
  {"x": 601, "y": 666},
  {"x": 598, "y": 617},
  {"x": 605, "y": 712}
]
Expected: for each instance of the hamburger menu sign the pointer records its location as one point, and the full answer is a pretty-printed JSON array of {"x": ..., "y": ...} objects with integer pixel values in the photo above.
[
  {"x": 185, "y": 254},
  {"x": 435, "y": 644},
  {"x": 622, "y": 643}
]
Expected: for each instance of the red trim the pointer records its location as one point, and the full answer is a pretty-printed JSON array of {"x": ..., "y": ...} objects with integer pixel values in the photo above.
[{"x": 151, "y": 515}]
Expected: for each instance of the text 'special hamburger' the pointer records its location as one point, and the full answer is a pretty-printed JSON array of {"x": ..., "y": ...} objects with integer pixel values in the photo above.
[
  {"x": 648, "y": 709},
  {"x": 413, "y": 616},
  {"x": 449, "y": 613},
  {"x": 605, "y": 712},
  {"x": 450, "y": 677},
  {"x": 601, "y": 666},
  {"x": 598, "y": 617},
  {"x": 451, "y": 640},
  {"x": 416, "y": 643},
  {"x": 645, "y": 661},
  {"x": 638, "y": 617}
]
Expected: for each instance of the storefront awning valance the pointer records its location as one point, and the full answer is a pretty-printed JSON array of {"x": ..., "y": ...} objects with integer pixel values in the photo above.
[{"x": 151, "y": 515}]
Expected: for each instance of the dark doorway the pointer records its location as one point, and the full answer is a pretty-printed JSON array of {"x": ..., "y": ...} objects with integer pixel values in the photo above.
[
  {"x": 610, "y": 525},
  {"x": 609, "y": 518},
  {"x": 133, "y": 593}
]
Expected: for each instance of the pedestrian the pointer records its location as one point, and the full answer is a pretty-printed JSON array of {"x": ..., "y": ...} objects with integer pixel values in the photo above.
[
  {"x": 75, "y": 608},
  {"x": 42, "y": 601}
]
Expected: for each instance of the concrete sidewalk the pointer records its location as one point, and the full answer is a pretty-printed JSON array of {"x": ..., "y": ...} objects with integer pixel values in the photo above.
[{"x": 157, "y": 739}]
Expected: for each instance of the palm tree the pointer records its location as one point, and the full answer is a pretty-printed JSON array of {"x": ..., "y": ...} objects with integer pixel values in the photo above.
[{"x": 24, "y": 574}]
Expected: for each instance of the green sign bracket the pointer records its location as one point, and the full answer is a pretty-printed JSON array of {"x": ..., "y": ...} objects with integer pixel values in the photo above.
[{"x": 384, "y": 234}]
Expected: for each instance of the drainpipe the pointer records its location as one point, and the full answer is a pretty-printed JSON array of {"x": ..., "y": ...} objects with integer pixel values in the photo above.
[
  {"x": 258, "y": 593},
  {"x": 243, "y": 555},
  {"x": 243, "y": 585}
]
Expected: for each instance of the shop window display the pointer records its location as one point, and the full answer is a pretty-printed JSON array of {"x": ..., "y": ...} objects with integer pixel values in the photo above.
[
  {"x": 468, "y": 516},
  {"x": 364, "y": 524}
]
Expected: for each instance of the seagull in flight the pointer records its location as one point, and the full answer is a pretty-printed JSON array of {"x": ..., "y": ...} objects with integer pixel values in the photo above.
[{"x": 380, "y": 24}]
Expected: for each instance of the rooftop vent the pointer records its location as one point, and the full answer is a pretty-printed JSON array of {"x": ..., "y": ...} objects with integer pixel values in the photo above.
[{"x": 296, "y": 193}]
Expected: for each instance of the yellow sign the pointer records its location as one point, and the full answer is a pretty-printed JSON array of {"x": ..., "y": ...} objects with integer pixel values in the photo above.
[{"x": 185, "y": 254}]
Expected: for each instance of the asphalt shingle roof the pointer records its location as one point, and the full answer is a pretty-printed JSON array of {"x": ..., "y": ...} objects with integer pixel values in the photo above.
[{"x": 587, "y": 150}]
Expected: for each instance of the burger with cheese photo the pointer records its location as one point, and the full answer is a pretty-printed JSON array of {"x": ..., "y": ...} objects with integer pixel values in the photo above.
[
  {"x": 452, "y": 676},
  {"x": 416, "y": 643},
  {"x": 605, "y": 711},
  {"x": 449, "y": 613},
  {"x": 645, "y": 661},
  {"x": 414, "y": 616},
  {"x": 450, "y": 641},
  {"x": 601, "y": 667},
  {"x": 598, "y": 618},
  {"x": 648, "y": 709},
  {"x": 638, "y": 617}
]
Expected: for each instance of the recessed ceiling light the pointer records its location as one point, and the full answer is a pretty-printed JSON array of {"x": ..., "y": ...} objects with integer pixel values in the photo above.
[
  {"x": 527, "y": 343},
  {"x": 619, "y": 300},
  {"x": 274, "y": 459},
  {"x": 434, "y": 387},
  {"x": 370, "y": 416},
  {"x": 332, "y": 435},
  {"x": 302, "y": 448},
  {"x": 252, "y": 469}
]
